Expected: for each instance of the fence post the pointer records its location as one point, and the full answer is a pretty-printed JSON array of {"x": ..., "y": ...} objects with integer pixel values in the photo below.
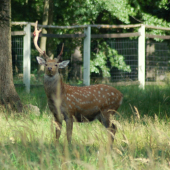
[
  {"x": 27, "y": 57},
  {"x": 86, "y": 56},
  {"x": 141, "y": 56}
]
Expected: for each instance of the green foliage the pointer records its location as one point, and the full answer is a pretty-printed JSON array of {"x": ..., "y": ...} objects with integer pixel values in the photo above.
[
  {"x": 104, "y": 55},
  {"x": 152, "y": 12},
  {"x": 119, "y": 9},
  {"x": 95, "y": 11},
  {"x": 26, "y": 10}
]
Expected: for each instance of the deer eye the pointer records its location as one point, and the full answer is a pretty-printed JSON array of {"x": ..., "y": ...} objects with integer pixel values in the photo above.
[
  {"x": 45, "y": 64},
  {"x": 56, "y": 65}
]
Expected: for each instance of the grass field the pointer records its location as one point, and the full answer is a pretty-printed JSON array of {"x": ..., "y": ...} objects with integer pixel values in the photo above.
[{"x": 142, "y": 140}]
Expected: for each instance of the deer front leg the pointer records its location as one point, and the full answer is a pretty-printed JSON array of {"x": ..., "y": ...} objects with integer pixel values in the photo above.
[
  {"x": 69, "y": 129},
  {"x": 58, "y": 125},
  {"x": 58, "y": 130}
]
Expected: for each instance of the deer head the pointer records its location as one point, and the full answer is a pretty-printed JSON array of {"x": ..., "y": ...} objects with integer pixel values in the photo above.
[{"x": 51, "y": 65}]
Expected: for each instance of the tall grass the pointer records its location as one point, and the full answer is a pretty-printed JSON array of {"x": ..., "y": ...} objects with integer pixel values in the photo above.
[
  {"x": 142, "y": 140},
  {"x": 153, "y": 100}
]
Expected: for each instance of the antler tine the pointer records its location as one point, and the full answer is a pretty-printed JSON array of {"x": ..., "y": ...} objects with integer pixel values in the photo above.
[
  {"x": 59, "y": 56},
  {"x": 36, "y": 35}
]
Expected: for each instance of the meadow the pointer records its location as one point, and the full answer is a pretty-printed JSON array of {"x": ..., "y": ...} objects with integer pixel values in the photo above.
[{"x": 141, "y": 142}]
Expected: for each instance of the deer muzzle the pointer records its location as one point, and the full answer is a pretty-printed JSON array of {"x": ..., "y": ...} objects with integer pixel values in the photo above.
[{"x": 49, "y": 68}]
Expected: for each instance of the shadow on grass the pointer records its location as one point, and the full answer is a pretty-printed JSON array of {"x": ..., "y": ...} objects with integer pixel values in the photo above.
[{"x": 36, "y": 97}]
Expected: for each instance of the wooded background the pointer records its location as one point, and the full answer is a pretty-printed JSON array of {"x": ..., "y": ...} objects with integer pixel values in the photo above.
[{"x": 112, "y": 12}]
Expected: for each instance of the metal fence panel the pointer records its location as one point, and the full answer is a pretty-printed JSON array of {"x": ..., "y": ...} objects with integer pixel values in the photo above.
[
  {"x": 17, "y": 59},
  {"x": 157, "y": 61}
]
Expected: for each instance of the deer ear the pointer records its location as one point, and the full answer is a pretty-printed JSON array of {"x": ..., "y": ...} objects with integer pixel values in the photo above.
[
  {"x": 63, "y": 64},
  {"x": 41, "y": 61}
]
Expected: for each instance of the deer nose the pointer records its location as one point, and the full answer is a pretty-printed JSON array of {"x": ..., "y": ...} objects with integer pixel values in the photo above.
[{"x": 49, "y": 68}]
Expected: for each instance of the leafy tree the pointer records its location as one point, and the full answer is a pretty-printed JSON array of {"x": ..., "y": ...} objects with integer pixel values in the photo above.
[
  {"x": 95, "y": 12},
  {"x": 105, "y": 53}
]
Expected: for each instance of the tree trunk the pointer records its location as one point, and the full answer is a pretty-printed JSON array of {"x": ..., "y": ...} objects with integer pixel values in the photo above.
[
  {"x": 44, "y": 31},
  {"x": 8, "y": 94}
]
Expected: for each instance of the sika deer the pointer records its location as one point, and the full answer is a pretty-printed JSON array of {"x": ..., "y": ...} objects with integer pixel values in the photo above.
[{"x": 82, "y": 103}]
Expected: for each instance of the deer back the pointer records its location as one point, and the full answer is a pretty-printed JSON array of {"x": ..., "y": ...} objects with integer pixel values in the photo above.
[{"x": 89, "y": 101}]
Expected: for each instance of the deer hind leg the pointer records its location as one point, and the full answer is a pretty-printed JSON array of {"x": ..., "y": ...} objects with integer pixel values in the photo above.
[
  {"x": 69, "y": 129},
  {"x": 105, "y": 120}
]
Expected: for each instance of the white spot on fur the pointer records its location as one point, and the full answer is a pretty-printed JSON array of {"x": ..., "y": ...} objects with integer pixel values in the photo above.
[
  {"x": 70, "y": 106},
  {"x": 112, "y": 93},
  {"x": 101, "y": 88}
]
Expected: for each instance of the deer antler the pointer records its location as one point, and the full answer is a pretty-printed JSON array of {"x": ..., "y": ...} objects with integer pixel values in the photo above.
[
  {"x": 59, "y": 56},
  {"x": 36, "y": 35}
]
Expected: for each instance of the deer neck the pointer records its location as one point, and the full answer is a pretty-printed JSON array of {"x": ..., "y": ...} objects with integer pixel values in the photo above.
[{"x": 53, "y": 85}]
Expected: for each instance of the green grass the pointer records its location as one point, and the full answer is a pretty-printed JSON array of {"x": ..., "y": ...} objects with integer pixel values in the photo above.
[
  {"x": 153, "y": 100},
  {"x": 27, "y": 141}
]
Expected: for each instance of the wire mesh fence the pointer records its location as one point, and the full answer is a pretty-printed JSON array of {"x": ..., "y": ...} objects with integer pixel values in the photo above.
[
  {"x": 157, "y": 60},
  {"x": 129, "y": 49},
  {"x": 17, "y": 59}
]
